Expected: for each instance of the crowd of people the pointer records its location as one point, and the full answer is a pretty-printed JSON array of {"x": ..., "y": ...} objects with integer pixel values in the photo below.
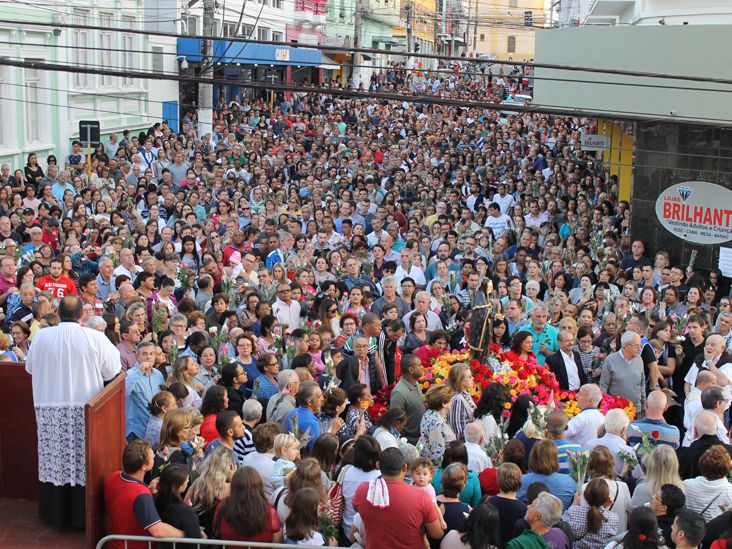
[{"x": 260, "y": 285}]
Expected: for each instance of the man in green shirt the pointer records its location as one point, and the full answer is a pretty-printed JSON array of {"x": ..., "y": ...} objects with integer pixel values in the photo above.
[{"x": 407, "y": 395}]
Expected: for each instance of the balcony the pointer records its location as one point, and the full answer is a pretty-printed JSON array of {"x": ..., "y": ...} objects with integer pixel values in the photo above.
[{"x": 609, "y": 12}]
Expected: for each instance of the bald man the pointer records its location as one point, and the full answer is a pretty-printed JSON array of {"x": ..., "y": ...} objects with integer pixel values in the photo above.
[
  {"x": 705, "y": 434},
  {"x": 584, "y": 426},
  {"x": 715, "y": 359},
  {"x": 692, "y": 404},
  {"x": 654, "y": 424}
]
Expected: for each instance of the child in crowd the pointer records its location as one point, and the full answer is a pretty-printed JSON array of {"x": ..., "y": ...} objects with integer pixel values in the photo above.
[
  {"x": 286, "y": 450},
  {"x": 315, "y": 350},
  {"x": 422, "y": 472},
  {"x": 159, "y": 405}
]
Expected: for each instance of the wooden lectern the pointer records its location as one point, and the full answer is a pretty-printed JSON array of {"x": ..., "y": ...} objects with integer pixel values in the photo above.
[{"x": 105, "y": 442}]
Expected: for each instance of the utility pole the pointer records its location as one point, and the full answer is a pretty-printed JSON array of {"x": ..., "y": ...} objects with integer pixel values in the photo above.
[
  {"x": 357, "y": 30},
  {"x": 410, "y": 33},
  {"x": 475, "y": 29},
  {"x": 205, "y": 91}
]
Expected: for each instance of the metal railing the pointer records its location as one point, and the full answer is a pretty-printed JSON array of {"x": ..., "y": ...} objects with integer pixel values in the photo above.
[{"x": 152, "y": 543}]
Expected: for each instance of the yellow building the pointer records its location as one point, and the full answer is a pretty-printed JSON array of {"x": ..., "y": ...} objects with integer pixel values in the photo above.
[
  {"x": 423, "y": 24},
  {"x": 501, "y": 28}
]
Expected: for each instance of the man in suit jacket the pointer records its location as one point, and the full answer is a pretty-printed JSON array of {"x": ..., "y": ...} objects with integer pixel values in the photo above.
[
  {"x": 359, "y": 368},
  {"x": 705, "y": 434},
  {"x": 566, "y": 364}
]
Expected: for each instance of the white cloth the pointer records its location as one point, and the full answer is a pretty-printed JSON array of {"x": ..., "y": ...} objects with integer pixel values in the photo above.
[
  {"x": 573, "y": 379},
  {"x": 692, "y": 406},
  {"x": 385, "y": 439},
  {"x": 378, "y": 493},
  {"x": 478, "y": 460},
  {"x": 583, "y": 427},
  {"x": 69, "y": 365}
]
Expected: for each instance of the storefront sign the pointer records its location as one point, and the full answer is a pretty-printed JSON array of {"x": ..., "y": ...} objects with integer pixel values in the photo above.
[
  {"x": 592, "y": 142},
  {"x": 696, "y": 212},
  {"x": 282, "y": 54}
]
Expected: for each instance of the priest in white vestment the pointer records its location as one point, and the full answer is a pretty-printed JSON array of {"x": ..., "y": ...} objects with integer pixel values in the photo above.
[{"x": 69, "y": 365}]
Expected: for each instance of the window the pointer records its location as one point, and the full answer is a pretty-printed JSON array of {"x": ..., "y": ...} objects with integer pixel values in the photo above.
[
  {"x": 247, "y": 30},
  {"x": 482, "y": 37},
  {"x": 81, "y": 41},
  {"x": 129, "y": 57},
  {"x": 277, "y": 4},
  {"x": 33, "y": 105},
  {"x": 191, "y": 25},
  {"x": 265, "y": 2},
  {"x": 262, "y": 33},
  {"x": 105, "y": 44},
  {"x": 513, "y": 3},
  {"x": 278, "y": 36},
  {"x": 157, "y": 59},
  {"x": 229, "y": 30},
  {"x": 511, "y": 46}
]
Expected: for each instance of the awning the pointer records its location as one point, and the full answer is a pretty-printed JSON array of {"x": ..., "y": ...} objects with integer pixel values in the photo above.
[{"x": 330, "y": 64}]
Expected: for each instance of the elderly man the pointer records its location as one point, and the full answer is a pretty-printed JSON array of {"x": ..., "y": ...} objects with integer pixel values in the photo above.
[
  {"x": 544, "y": 335},
  {"x": 389, "y": 289},
  {"x": 422, "y": 304},
  {"x": 478, "y": 460},
  {"x": 705, "y": 436},
  {"x": 541, "y": 514},
  {"x": 693, "y": 405},
  {"x": 724, "y": 328},
  {"x": 656, "y": 406},
  {"x": 623, "y": 374},
  {"x": 309, "y": 401},
  {"x": 142, "y": 382},
  {"x": 584, "y": 426},
  {"x": 715, "y": 359},
  {"x": 616, "y": 432},
  {"x": 282, "y": 403},
  {"x": 359, "y": 368},
  {"x": 567, "y": 364}
]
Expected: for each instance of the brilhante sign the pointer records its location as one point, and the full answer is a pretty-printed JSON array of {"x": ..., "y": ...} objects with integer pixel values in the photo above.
[{"x": 697, "y": 211}]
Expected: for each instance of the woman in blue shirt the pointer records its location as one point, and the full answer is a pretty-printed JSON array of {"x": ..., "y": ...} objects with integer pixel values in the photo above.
[{"x": 544, "y": 467}]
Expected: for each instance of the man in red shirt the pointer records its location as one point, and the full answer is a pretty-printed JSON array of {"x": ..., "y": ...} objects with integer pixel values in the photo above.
[
  {"x": 399, "y": 519},
  {"x": 130, "y": 503},
  {"x": 56, "y": 282}
]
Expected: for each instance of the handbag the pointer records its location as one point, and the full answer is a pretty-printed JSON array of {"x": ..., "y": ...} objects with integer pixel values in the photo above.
[{"x": 335, "y": 495}]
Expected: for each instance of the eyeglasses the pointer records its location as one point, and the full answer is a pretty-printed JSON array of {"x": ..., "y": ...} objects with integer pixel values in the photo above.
[{"x": 332, "y": 311}]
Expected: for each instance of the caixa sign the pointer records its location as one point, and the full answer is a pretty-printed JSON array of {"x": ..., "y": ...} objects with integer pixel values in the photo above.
[{"x": 696, "y": 211}]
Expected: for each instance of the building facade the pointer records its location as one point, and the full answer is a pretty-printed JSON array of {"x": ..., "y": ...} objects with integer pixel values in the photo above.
[
  {"x": 40, "y": 110},
  {"x": 505, "y": 29},
  {"x": 576, "y": 13}
]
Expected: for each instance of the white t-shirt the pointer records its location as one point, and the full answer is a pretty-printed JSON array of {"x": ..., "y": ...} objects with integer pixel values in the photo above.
[
  {"x": 351, "y": 481},
  {"x": 499, "y": 225},
  {"x": 690, "y": 378}
]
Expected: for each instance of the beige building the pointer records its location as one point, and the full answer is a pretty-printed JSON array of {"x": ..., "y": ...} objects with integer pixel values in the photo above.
[{"x": 500, "y": 28}]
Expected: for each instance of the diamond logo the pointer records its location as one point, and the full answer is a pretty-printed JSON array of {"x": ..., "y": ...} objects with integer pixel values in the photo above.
[{"x": 685, "y": 193}]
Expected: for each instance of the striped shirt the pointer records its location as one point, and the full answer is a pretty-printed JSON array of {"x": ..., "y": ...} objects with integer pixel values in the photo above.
[
  {"x": 667, "y": 434},
  {"x": 461, "y": 413},
  {"x": 576, "y": 517},
  {"x": 564, "y": 448}
]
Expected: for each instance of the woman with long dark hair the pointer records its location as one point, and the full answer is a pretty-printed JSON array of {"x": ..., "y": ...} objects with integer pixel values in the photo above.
[
  {"x": 490, "y": 408},
  {"x": 301, "y": 526},
  {"x": 642, "y": 531},
  {"x": 479, "y": 531},
  {"x": 246, "y": 515},
  {"x": 169, "y": 502}
]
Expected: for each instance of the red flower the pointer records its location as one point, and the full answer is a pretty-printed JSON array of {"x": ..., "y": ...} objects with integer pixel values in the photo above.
[
  {"x": 642, "y": 537},
  {"x": 655, "y": 435}
]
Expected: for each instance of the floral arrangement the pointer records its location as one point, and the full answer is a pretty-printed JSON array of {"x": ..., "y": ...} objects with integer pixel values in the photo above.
[
  {"x": 380, "y": 403},
  {"x": 186, "y": 279},
  {"x": 527, "y": 377},
  {"x": 437, "y": 366},
  {"x": 609, "y": 402}
]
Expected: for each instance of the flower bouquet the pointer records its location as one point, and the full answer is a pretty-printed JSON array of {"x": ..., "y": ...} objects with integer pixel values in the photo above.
[
  {"x": 578, "y": 462},
  {"x": 186, "y": 279}
]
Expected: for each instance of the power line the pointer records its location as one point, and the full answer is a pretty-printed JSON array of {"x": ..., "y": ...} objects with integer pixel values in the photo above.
[
  {"x": 424, "y": 99},
  {"x": 310, "y": 64},
  {"x": 552, "y": 66}
]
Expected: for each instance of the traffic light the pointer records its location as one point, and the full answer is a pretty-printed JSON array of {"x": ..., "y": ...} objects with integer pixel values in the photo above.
[
  {"x": 528, "y": 18},
  {"x": 417, "y": 46}
]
